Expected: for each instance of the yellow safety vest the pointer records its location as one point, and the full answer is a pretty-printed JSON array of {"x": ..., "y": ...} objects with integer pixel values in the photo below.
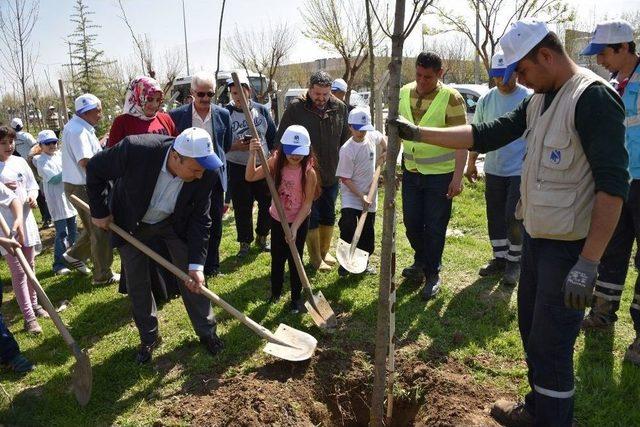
[{"x": 426, "y": 158}]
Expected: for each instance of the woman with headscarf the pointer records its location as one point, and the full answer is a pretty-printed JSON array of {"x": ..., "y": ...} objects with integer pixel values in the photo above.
[
  {"x": 141, "y": 112},
  {"x": 141, "y": 116}
]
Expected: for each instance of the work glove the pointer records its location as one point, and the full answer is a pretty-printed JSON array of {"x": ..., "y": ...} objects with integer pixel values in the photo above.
[
  {"x": 579, "y": 283},
  {"x": 406, "y": 129}
]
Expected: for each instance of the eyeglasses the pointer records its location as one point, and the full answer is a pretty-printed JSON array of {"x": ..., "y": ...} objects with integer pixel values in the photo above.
[{"x": 203, "y": 94}]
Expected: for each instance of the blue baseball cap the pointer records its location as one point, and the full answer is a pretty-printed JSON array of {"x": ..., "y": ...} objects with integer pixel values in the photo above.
[
  {"x": 296, "y": 141},
  {"x": 196, "y": 143},
  {"x": 498, "y": 66},
  {"x": 606, "y": 33},
  {"x": 360, "y": 119},
  {"x": 521, "y": 38}
]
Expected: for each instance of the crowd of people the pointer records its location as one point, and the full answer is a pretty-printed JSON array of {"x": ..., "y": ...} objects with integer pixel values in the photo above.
[{"x": 560, "y": 144}]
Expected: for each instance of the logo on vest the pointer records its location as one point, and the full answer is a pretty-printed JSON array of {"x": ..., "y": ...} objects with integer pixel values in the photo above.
[{"x": 555, "y": 157}]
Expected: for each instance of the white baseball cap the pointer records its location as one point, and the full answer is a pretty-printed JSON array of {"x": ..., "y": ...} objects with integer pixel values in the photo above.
[
  {"x": 196, "y": 143},
  {"x": 360, "y": 119},
  {"x": 521, "y": 38},
  {"x": 606, "y": 33},
  {"x": 497, "y": 65},
  {"x": 15, "y": 122},
  {"x": 86, "y": 102},
  {"x": 296, "y": 141},
  {"x": 244, "y": 80},
  {"x": 47, "y": 137},
  {"x": 339, "y": 84}
]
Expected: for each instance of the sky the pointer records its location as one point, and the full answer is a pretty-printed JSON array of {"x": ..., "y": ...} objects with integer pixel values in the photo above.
[{"x": 161, "y": 21}]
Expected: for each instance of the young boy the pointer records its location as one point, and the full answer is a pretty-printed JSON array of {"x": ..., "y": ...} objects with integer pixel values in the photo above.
[{"x": 357, "y": 163}]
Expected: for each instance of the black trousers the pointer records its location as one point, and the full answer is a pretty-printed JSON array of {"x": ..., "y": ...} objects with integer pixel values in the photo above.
[
  {"x": 217, "y": 204},
  {"x": 280, "y": 254},
  {"x": 349, "y": 221},
  {"x": 136, "y": 267},
  {"x": 243, "y": 196},
  {"x": 502, "y": 194}
]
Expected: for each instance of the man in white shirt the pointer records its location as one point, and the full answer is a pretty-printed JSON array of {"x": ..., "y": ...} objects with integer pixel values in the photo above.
[{"x": 79, "y": 144}]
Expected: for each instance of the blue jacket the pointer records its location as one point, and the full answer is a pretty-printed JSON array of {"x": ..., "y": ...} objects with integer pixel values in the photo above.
[
  {"x": 631, "y": 99},
  {"x": 222, "y": 136}
]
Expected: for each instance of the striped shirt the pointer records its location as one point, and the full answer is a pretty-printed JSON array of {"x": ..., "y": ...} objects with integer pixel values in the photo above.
[{"x": 456, "y": 111}]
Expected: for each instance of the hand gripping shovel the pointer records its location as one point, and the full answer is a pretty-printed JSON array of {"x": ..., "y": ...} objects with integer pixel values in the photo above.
[
  {"x": 82, "y": 375},
  {"x": 286, "y": 343},
  {"x": 351, "y": 258},
  {"x": 317, "y": 306}
]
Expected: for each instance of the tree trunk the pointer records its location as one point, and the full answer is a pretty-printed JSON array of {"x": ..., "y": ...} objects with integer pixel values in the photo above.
[
  {"x": 372, "y": 83},
  {"x": 387, "y": 262},
  {"x": 219, "y": 40}
]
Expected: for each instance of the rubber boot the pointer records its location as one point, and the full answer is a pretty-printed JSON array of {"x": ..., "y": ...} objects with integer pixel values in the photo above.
[
  {"x": 313, "y": 246},
  {"x": 326, "y": 234}
]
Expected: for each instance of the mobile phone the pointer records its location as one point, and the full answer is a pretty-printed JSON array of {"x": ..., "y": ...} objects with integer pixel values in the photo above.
[{"x": 246, "y": 138}]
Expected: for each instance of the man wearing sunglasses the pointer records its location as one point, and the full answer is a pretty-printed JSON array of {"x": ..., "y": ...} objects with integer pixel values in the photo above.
[{"x": 203, "y": 113}]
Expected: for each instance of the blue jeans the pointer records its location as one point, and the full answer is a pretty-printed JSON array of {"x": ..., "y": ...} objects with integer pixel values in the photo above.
[
  {"x": 66, "y": 229},
  {"x": 8, "y": 345},
  {"x": 548, "y": 329},
  {"x": 426, "y": 212},
  {"x": 323, "y": 210}
]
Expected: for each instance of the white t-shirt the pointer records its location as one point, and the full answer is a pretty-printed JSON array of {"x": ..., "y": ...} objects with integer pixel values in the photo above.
[
  {"x": 79, "y": 142},
  {"x": 16, "y": 169},
  {"x": 24, "y": 142},
  {"x": 49, "y": 167},
  {"x": 358, "y": 162}
]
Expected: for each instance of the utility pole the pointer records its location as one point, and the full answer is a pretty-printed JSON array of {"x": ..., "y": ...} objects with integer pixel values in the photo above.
[
  {"x": 476, "y": 65},
  {"x": 186, "y": 47}
]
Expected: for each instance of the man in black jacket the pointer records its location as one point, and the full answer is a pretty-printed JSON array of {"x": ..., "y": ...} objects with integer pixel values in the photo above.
[{"x": 162, "y": 190}]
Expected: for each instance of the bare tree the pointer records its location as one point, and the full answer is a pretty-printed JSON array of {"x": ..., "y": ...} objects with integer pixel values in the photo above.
[
  {"x": 172, "y": 65},
  {"x": 495, "y": 18},
  {"x": 457, "y": 58},
  {"x": 224, "y": 2},
  {"x": 384, "y": 338},
  {"x": 341, "y": 27},
  {"x": 262, "y": 51},
  {"x": 142, "y": 43},
  {"x": 17, "y": 20}
]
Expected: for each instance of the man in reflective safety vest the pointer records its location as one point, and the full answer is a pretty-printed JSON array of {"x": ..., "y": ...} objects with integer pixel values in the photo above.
[{"x": 432, "y": 176}]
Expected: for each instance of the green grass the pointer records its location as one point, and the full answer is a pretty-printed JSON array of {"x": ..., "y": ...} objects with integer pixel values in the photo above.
[{"x": 473, "y": 321}]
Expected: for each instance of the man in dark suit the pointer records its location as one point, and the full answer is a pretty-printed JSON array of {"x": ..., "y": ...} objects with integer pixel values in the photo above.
[
  {"x": 202, "y": 113},
  {"x": 162, "y": 191}
]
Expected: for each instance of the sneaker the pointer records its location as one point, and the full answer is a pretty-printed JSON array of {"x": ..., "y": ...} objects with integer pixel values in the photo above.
[
  {"x": 511, "y": 273},
  {"x": 213, "y": 344},
  {"x": 47, "y": 224},
  {"x": 633, "y": 352},
  {"x": 62, "y": 271},
  {"x": 115, "y": 278},
  {"x": 370, "y": 270},
  {"x": 76, "y": 264},
  {"x": 511, "y": 414},
  {"x": 297, "y": 306},
  {"x": 244, "y": 250},
  {"x": 32, "y": 327},
  {"x": 596, "y": 320},
  {"x": 494, "y": 267},
  {"x": 20, "y": 364},
  {"x": 145, "y": 351},
  {"x": 263, "y": 243},
  {"x": 431, "y": 287},
  {"x": 342, "y": 272},
  {"x": 41, "y": 312},
  {"x": 414, "y": 272}
]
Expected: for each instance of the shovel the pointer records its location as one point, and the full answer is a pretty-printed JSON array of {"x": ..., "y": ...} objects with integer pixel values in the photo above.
[
  {"x": 351, "y": 258},
  {"x": 82, "y": 375},
  {"x": 286, "y": 343},
  {"x": 317, "y": 306}
]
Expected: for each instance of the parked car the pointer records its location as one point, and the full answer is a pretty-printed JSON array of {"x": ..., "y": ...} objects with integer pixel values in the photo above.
[{"x": 471, "y": 94}]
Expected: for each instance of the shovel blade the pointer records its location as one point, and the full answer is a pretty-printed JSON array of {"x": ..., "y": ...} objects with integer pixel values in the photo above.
[
  {"x": 320, "y": 311},
  {"x": 301, "y": 344},
  {"x": 356, "y": 263},
  {"x": 82, "y": 377}
]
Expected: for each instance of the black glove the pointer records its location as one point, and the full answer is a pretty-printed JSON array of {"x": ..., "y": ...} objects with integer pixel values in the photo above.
[
  {"x": 579, "y": 283},
  {"x": 406, "y": 129}
]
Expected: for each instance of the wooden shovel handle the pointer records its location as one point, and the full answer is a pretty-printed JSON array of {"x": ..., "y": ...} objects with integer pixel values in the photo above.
[
  {"x": 255, "y": 327},
  {"x": 42, "y": 296},
  {"x": 274, "y": 192},
  {"x": 363, "y": 215}
]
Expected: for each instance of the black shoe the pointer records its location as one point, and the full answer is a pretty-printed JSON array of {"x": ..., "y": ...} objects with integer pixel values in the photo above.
[
  {"x": 342, "y": 272},
  {"x": 413, "y": 272},
  {"x": 511, "y": 273},
  {"x": 263, "y": 244},
  {"x": 494, "y": 267},
  {"x": 431, "y": 287},
  {"x": 213, "y": 273},
  {"x": 145, "y": 351},
  {"x": 213, "y": 343},
  {"x": 244, "y": 250},
  {"x": 273, "y": 299},
  {"x": 47, "y": 224},
  {"x": 20, "y": 364},
  {"x": 297, "y": 306}
]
